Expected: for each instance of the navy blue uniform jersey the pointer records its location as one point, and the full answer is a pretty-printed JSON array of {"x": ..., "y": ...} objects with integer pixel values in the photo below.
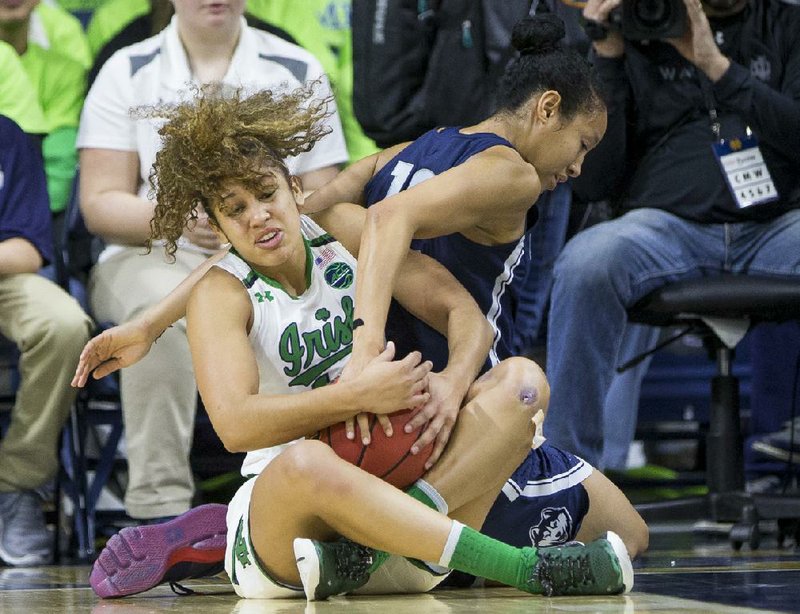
[
  {"x": 544, "y": 501},
  {"x": 492, "y": 274}
]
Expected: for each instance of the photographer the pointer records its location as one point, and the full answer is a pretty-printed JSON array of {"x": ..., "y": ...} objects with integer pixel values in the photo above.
[{"x": 725, "y": 92}]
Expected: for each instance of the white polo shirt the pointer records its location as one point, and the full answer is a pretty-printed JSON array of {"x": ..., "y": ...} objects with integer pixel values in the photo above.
[{"x": 157, "y": 70}]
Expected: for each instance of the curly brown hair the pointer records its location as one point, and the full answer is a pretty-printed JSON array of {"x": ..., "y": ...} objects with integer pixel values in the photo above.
[{"x": 223, "y": 136}]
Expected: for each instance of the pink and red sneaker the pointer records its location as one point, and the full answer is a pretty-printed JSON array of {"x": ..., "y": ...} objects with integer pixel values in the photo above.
[{"x": 138, "y": 558}]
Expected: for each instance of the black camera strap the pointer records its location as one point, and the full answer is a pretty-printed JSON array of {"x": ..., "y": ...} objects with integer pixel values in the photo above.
[{"x": 711, "y": 105}]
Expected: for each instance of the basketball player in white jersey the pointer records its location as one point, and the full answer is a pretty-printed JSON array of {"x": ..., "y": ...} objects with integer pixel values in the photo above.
[{"x": 271, "y": 323}]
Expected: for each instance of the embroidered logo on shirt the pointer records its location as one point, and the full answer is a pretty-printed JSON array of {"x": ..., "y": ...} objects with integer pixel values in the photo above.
[
  {"x": 761, "y": 68},
  {"x": 240, "y": 552},
  {"x": 339, "y": 275}
]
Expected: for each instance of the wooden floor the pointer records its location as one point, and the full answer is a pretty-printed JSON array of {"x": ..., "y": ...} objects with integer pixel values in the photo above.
[{"x": 684, "y": 571}]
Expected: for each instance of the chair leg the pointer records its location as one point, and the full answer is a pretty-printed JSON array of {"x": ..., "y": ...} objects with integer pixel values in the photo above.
[
  {"x": 724, "y": 457},
  {"x": 75, "y": 464}
]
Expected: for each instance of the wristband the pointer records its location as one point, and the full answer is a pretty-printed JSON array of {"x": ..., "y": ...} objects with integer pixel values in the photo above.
[{"x": 595, "y": 30}]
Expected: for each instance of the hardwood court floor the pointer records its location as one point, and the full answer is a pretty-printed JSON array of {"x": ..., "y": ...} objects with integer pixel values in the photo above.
[{"x": 682, "y": 572}]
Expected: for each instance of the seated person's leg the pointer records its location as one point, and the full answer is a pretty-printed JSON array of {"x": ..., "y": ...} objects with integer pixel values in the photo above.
[
  {"x": 600, "y": 273},
  {"x": 50, "y": 328},
  {"x": 553, "y": 498},
  {"x": 621, "y": 408},
  {"x": 610, "y": 510},
  {"x": 159, "y": 393}
]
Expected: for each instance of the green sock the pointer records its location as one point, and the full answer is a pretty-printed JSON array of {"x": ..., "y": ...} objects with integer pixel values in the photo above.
[
  {"x": 428, "y": 495},
  {"x": 484, "y": 557}
]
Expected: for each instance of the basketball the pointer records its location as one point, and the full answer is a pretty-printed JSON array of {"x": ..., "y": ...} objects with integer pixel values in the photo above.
[{"x": 388, "y": 458}]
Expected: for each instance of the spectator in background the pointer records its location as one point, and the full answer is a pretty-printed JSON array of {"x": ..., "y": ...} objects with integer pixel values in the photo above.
[
  {"x": 54, "y": 25},
  {"x": 81, "y": 9},
  {"x": 671, "y": 101},
  {"x": 202, "y": 44},
  {"x": 323, "y": 27},
  {"x": 319, "y": 26},
  {"x": 119, "y": 23},
  {"x": 17, "y": 96},
  {"x": 116, "y": 16},
  {"x": 49, "y": 328},
  {"x": 58, "y": 79}
]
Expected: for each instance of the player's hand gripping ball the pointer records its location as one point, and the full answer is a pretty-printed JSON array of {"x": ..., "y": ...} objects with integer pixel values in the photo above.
[{"x": 389, "y": 458}]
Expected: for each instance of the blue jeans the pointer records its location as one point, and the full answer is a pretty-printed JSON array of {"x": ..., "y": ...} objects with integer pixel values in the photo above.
[
  {"x": 606, "y": 269},
  {"x": 622, "y": 401},
  {"x": 546, "y": 238}
]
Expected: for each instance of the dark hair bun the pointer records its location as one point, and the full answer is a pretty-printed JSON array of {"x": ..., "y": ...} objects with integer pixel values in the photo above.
[{"x": 538, "y": 34}]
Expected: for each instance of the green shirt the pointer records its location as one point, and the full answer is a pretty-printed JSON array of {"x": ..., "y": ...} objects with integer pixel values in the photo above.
[
  {"x": 17, "y": 95},
  {"x": 60, "y": 85},
  {"x": 108, "y": 20},
  {"x": 323, "y": 28},
  {"x": 63, "y": 32},
  {"x": 81, "y": 5}
]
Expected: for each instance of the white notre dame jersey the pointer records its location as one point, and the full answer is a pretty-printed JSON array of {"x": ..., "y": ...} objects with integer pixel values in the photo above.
[{"x": 304, "y": 342}]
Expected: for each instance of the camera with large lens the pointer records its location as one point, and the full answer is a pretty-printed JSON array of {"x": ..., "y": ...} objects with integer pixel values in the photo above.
[{"x": 651, "y": 19}]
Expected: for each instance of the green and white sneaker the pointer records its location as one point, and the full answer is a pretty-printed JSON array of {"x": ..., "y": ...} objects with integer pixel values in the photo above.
[
  {"x": 601, "y": 567},
  {"x": 333, "y": 568}
]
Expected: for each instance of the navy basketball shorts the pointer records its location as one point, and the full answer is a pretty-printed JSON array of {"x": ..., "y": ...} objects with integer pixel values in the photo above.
[{"x": 543, "y": 503}]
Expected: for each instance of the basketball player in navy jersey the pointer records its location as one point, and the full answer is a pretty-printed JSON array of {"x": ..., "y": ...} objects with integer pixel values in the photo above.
[{"x": 461, "y": 197}]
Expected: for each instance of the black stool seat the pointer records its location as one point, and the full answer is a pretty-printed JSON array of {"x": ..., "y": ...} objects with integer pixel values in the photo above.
[
  {"x": 764, "y": 299},
  {"x": 743, "y": 297}
]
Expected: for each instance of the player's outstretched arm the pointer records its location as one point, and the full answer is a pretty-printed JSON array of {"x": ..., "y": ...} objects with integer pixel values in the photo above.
[
  {"x": 430, "y": 292},
  {"x": 459, "y": 200},
  {"x": 126, "y": 344},
  {"x": 113, "y": 349}
]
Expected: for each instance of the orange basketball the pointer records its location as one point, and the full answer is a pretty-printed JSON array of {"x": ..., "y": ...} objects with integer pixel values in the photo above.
[{"x": 389, "y": 458}]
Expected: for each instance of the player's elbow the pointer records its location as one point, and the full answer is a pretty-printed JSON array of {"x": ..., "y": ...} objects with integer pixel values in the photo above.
[
  {"x": 232, "y": 438},
  {"x": 26, "y": 258},
  {"x": 91, "y": 211},
  {"x": 388, "y": 215},
  {"x": 231, "y": 431},
  {"x": 485, "y": 333}
]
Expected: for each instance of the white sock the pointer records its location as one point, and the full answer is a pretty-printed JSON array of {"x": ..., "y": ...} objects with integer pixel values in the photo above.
[{"x": 450, "y": 545}]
